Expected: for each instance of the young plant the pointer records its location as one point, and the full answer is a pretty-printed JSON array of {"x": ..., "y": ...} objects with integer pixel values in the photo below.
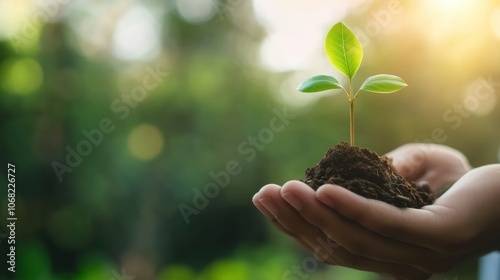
[{"x": 345, "y": 53}]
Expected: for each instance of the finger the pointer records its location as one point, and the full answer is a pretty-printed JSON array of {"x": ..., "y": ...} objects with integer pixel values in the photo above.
[
  {"x": 285, "y": 217},
  {"x": 312, "y": 240},
  {"x": 329, "y": 252},
  {"x": 297, "y": 239},
  {"x": 271, "y": 218},
  {"x": 267, "y": 191},
  {"x": 444, "y": 166},
  {"x": 409, "y": 160},
  {"x": 262, "y": 209}
]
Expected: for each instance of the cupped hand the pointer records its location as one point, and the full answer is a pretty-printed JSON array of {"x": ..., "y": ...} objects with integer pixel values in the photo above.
[
  {"x": 342, "y": 228},
  {"x": 438, "y": 165},
  {"x": 463, "y": 222},
  {"x": 295, "y": 210}
]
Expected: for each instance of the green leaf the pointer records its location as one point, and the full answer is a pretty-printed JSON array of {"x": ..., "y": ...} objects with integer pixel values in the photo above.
[
  {"x": 383, "y": 83},
  {"x": 319, "y": 83},
  {"x": 343, "y": 49}
]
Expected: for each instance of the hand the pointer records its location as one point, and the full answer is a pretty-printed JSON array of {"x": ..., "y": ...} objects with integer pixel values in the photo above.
[
  {"x": 416, "y": 162},
  {"x": 372, "y": 235},
  {"x": 438, "y": 165},
  {"x": 463, "y": 222},
  {"x": 331, "y": 238}
]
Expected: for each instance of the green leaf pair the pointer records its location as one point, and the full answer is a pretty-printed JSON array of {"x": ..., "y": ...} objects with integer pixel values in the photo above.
[
  {"x": 346, "y": 53},
  {"x": 382, "y": 83}
]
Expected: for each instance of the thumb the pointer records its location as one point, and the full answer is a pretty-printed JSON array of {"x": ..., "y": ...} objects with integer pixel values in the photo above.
[{"x": 409, "y": 161}]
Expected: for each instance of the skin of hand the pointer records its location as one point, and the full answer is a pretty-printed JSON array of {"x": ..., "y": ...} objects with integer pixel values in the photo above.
[
  {"x": 439, "y": 165},
  {"x": 342, "y": 228}
]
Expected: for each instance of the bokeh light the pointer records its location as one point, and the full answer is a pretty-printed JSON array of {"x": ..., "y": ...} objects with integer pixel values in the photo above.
[
  {"x": 22, "y": 76},
  {"x": 495, "y": 22},
  {"x": 136, "y": 35},
  {"x": 196, "y": 11},
  {"x": 480, "y": 97},
  {"x": 145, "y": 142}
]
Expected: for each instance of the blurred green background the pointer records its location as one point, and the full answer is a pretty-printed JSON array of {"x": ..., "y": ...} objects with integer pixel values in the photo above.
[{"x": 117, "y": 114}]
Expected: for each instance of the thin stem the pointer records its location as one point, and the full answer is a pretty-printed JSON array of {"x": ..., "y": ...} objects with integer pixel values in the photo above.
[
  {"x": 356, "y": 95},
  {"x": 346, "y": 93},
  {"x": 352, "y": 98},
  {"x": 351, "y": 123}
]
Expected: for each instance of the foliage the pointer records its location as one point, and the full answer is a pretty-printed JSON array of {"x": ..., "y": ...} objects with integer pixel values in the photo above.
[{"x": 346, "y": 53}]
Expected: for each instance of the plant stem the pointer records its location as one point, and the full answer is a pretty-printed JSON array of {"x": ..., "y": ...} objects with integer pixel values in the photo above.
[
  {"x": 351, "y": 123},
  {"x": 352, "y": 98}
]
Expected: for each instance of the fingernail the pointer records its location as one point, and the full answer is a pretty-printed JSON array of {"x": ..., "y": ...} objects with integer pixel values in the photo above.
[
  {"x": 270, "y": 207},
  {"x": 325, "y": 199},
  {"x": 292, "y": 200},
  {"x": 423, "y": 184}
]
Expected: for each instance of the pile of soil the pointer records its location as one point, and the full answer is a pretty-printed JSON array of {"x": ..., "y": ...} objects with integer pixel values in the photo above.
[{"x": 366, "y": 173}]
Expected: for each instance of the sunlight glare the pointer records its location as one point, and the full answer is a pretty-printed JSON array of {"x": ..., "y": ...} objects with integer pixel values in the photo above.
[
  {"x": 495, "y": 22},
  {"x": 453, "y": 5},
  {"x": 296, "y": 30},
  {"x": 13, "y": 15},
  {"x": 136, "y": 36}
]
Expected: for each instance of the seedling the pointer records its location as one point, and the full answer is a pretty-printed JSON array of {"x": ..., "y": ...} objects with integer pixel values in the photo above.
[{"x": 346, "y": 53}]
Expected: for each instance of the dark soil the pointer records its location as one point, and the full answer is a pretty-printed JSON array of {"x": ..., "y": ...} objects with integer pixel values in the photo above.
[{"x": 364, "y": 172}]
